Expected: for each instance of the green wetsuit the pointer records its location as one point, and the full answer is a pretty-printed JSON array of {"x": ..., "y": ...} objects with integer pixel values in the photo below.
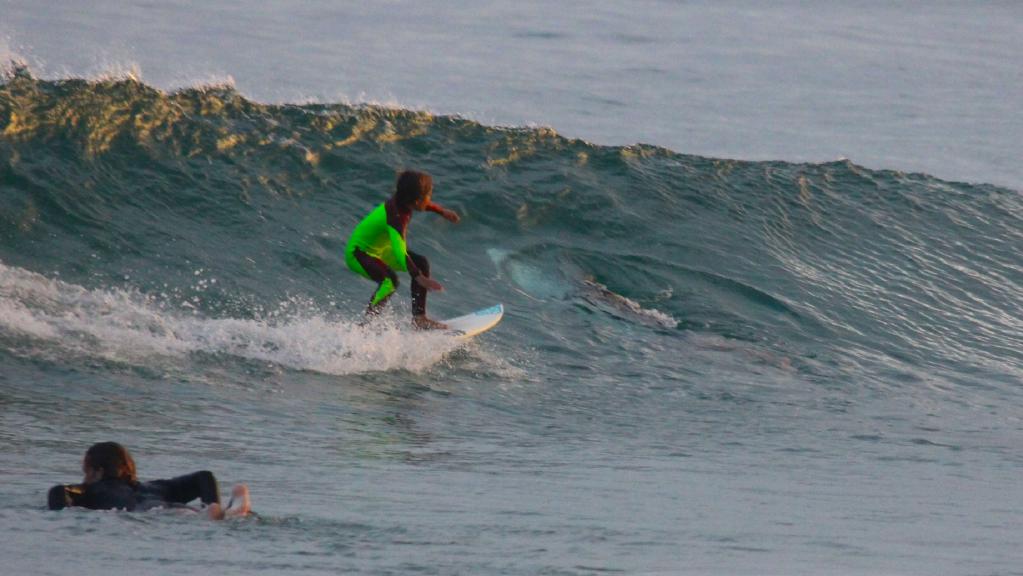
[
  {"x": 376, "y": 237},
  {"x": 377, "y": 247}
]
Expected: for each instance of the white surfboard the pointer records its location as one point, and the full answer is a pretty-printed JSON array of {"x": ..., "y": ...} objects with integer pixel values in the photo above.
[{"x": 475, "y": 322}]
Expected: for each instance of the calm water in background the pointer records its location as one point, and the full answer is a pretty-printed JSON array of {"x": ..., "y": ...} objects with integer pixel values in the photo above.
[{"x": 707, "y": 367}]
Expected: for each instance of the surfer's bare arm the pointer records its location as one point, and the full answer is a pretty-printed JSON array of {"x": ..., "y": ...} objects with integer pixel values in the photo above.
[{"x": 449, "y": 215}]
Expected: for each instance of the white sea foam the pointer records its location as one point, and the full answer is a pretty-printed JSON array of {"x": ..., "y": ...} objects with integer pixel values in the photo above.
[
  {"x": 126, "y": 326},
  {"x": 617, "y": 305}
]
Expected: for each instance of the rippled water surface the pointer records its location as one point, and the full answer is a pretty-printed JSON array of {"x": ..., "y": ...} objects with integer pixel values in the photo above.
[{"x": 707, "y": 366}]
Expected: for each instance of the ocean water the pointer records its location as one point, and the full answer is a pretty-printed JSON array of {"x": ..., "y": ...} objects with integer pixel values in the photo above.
[
  {"x": 781, "y": 338},
  {"x": 888, "y": 85}
]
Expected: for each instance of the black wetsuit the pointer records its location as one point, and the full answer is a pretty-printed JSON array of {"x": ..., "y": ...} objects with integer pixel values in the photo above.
[{"x": 112, "y": 493}]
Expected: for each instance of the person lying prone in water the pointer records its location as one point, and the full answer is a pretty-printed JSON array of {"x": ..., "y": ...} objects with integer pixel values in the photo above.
[{"x": 111, "y": 483}]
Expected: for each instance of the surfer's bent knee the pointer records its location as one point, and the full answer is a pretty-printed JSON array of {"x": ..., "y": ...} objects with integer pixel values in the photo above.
[{"x": 384, "y": 291}]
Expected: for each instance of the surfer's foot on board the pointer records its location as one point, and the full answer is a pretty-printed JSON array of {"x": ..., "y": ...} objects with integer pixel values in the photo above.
[{"x": 421, "y": 322}]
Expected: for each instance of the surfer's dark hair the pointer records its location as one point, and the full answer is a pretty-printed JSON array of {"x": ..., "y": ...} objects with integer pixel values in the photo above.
[
  {"x": 412, "y": 185},
  {"x": 113, "y": 460}
]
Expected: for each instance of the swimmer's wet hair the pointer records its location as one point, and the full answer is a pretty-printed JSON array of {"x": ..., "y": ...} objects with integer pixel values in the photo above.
[{"x": 113, "y": 460}]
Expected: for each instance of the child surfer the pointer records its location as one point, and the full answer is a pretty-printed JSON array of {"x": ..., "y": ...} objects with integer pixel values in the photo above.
[{"x": 377, "y": 246}]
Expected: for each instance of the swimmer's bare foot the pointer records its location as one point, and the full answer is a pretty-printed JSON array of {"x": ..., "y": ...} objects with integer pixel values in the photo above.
[
  {"x": 239, "y": 504},
  {"x": 421, "y": 322},
  {"x": 215, "y": 512}
]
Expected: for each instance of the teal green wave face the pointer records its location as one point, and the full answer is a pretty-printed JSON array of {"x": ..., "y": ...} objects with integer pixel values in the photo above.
[{"x": 208, "y": 199}]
